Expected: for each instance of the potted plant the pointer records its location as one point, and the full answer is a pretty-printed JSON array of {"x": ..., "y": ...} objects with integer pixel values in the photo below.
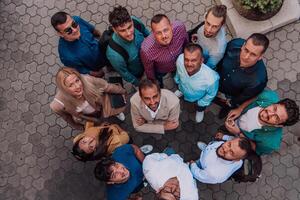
[{"x": 257, "y": 10}]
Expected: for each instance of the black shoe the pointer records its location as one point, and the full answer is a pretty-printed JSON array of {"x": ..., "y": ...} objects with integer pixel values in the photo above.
[{"x": 224, "y": 112}]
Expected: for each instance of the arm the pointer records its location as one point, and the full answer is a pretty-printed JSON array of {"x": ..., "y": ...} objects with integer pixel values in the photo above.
[
  {"x": 144, "y": 30},
  {"x": 146, "y": 127},
  {"x": 119, "y": 64},
  {"x": 58, "y": 109},
  {"x": 90, "y": 27},
  {"x": 138, "y": 153},
  {"x": 148, "y": 65},
  {"x": 202, "y": 175},
  {"x": 235, "y": 113},
  {"x": 211, "y": 92}
]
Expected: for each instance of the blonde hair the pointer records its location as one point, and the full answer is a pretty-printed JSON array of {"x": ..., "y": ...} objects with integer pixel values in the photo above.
[{"x": 89, "y": 89}]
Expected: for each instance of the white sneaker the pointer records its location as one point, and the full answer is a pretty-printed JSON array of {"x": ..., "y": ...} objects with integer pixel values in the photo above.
[
  {"x": 178, "y": 93},
  {"x": 199, "y": 116},
  {"x": 121, "y": 116},
  {"x": 201, "y": 145},
  {"x": 147, "y": 148}
]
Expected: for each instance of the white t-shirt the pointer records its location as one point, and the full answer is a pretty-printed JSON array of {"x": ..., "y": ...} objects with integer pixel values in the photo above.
[{"x": 249, "y": 121}]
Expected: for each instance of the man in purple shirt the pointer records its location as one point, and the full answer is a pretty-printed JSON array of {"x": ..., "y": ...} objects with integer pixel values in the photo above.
[{"x": 160, "y": 50}]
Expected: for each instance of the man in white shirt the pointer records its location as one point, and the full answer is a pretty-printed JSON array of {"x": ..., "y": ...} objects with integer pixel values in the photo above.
[
  {"x": 154, "y": 110},
  {"x": 219, "y": 160},
  {"x": 170, "y": 177}
]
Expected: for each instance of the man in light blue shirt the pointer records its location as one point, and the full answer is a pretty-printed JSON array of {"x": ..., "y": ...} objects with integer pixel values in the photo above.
[
  {"x": 219, "y": 160},
  {"x": 129, "y": 33},
  {"x": 196, "y": 82}
]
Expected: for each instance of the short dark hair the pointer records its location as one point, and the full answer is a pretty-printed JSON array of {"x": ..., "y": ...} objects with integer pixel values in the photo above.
[
  {"x": 58, "y": 19},
  {"x": 119, "y": 16},
  {"x": 103, "y": 170},
  {"x": 157, "y": 18},
  {"x": 292, "y": 110},
  {"x": 191, "y": 47},
  {"x": 148, "y": 83},
  {"x": 245, "y": 145},
  {"x": 260, "y": 40},
  {"x": 218, "y": 11}
]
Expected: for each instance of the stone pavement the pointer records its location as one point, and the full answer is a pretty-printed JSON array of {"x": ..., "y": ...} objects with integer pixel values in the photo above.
[{"x": 35, "y": 144}]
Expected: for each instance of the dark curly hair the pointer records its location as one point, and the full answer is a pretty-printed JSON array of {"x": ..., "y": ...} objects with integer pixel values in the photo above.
[
  {"x": 119, "y": 16},
  {"x": 292, "y": 110}
]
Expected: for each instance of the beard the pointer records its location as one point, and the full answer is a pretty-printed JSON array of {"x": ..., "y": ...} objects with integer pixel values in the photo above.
[{"x": 220, "y": 156}]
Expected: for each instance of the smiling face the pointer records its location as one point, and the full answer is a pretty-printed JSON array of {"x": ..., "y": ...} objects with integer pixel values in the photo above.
[
  {"x": 88, "y": 144},
  {"x": 162, "y": 31},
  {"x": 192, "y": 61},
  {"x": 231, "y": 150},
  {"x": 151, "y": 97},
  {"x": 212, "y": 25},
  {"x": 274, "y": 114},
  {"x": 69, "y": 30},
  {"x": 250, "y": 54},
  {"x": 74, "y": 86},
  {"x": 125, "y": 31},
  {"x": 119, "y": 173}
]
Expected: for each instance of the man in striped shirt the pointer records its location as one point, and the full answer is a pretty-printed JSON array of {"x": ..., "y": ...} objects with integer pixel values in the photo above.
[{"x": 161, "y": 48}]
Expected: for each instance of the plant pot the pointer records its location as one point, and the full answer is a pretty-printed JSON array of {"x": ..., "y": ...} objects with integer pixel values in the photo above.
[{"x": 254, "y": 14}]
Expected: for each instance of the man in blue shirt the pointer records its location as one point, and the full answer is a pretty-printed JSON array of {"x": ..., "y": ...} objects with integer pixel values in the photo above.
[
  {"x": 78, "y": 45},
  {"x": 130, "y": 38},
  {"x": 243, "y": 74},
  {"x": 122, "y": 172},
  {"x": 196, "y": 81}
]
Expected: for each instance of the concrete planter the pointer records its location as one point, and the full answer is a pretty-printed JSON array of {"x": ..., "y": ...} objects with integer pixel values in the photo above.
[
  {"x": 239, "y": 26},
  {"x": 254, "y": 14}
]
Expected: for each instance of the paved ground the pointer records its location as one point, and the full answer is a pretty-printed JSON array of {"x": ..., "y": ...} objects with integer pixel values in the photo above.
[{"x": 35, "y": 144}]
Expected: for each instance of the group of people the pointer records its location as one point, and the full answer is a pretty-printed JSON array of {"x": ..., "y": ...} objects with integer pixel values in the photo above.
[{"x": 206, "y": 68}]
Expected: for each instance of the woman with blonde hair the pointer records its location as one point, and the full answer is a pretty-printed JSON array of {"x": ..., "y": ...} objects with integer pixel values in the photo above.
[{"x": 82, "y": 98}]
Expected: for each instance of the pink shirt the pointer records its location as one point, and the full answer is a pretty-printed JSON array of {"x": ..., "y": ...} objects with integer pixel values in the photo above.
[{"x": 156, "y": 57}]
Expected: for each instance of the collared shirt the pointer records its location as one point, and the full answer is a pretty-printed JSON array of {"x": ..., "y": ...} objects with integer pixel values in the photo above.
[
  {"x": 159, "y": 168},
  {"x": 83, "y": 54},
  {"x": 134, "y": 70},
  {"x": 249, "y": 121},
  {"x": 238, "y": 82},
  {"x": 201, "y": 86},
  {"x": 213, "y": 168},
  {"x": 162, "y": 59},
  {"x": 126, "y": 156},
  {"x": 213, "y": 47},
  {"x": 153, "y": 113}
]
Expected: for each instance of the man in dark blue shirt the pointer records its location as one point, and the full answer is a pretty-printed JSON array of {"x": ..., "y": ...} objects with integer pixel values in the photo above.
[
  {"x": 122, "y": 172},
  {"x": 243, "y": 74},
  {"x": 78, "y": 45}
]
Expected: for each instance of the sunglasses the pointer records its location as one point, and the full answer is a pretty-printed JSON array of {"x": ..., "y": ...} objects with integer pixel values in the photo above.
[{"x": 69, "y": 30}]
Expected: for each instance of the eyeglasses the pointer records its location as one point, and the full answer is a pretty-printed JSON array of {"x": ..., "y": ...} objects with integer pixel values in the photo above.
[{"x": 69, "y": 30}]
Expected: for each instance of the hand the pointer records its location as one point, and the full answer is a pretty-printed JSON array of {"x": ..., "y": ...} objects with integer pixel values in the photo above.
[
  {"x": 234, "y": 114},
  {"x": 191, "y": 161},
  {"x": 140, "y": 121},
  {"x": 219, "y": 136},
  {"x": 170, "y": 125},
  {"x": 96, "y": 33},
  {"x": 232, "y": 127},
  {"x": 98, "y": 74},
  {"x": 194, "y": 38}
]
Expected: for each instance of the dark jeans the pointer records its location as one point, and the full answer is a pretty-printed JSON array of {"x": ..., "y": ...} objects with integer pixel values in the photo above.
[
  {"x": 159, "y": 76},
  {"x": 200, "y": 108}
]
